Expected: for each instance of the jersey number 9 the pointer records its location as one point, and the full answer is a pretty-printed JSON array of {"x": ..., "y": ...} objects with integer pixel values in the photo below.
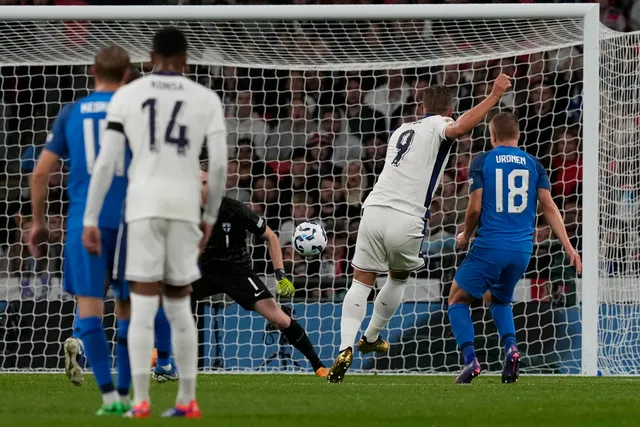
[
  {"x": 404, "y": 143},
  {"x": 180, "y": 141},
  {"x": 514, "y": 190}
]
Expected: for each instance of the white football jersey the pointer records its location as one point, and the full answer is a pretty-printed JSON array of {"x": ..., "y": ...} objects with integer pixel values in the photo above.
[
  {"x": 416, "y": 157},
  {"x": 166, "y": 118}
]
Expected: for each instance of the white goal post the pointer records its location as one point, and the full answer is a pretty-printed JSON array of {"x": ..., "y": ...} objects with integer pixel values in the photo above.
[{"x": 31, "y": 37}]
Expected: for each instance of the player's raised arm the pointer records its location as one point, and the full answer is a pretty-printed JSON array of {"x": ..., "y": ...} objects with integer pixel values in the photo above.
[
  {"x": 553, "y": 217},
  {"x": 471, "y": 118}
]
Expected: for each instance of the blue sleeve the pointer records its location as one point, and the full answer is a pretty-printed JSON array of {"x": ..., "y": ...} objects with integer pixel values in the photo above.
[
  {"x": 57, "y": 139},
  {"x": 476, "y": 180},
  {"x": 543, "y": 178}
]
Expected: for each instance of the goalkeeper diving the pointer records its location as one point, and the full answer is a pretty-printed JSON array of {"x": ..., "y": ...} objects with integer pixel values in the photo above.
[{"x": 225, "y": 265}]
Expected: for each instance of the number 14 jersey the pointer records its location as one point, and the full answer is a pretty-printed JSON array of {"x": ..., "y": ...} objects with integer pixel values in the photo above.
[
  {"x": 416, "y": 157},
  {"x": 167, "y": 119},
  {"x": 509, "y": 179}
]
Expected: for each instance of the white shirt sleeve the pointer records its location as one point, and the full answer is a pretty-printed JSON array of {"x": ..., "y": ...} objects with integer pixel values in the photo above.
[
  {"x": 441, "y": 124},
  {"x": 218, "y": 152},
  {"x": 112, "y": 148}
]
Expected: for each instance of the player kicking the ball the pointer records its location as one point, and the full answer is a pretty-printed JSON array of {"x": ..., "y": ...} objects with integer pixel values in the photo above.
[
  {"x": 226, "y": 268},
  {"x": 393, "y": 222},
  {"x": 506, "y": 184},
  {"x": 78, "y": 134},
  {"x": 164, "y": 119}
]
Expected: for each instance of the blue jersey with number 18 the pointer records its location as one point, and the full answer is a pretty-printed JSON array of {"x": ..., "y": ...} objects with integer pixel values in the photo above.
[
  {"x": 510, "y": 179},
  {"x": 76, "y": 134}
]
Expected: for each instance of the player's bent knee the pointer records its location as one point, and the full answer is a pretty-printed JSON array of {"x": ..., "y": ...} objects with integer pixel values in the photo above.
[
  {"x": 367, "y": 278},
  {"x": 270, "y": 310},
  {"x": 90, "y": 306},
  {"x": 123, "y": 309},
  {"x": 492, "y": 299},
  {"x": 171, "y": 291},
  {"x": 400, "y": 276},
  {"x": 457, "y": 295},
  {"x": 148, "y": 289}
]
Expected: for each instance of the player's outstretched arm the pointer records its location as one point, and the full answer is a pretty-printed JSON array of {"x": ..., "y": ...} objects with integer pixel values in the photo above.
[
  {"x": 285, "y": 287},
  {"x": 553, "y": 217},
  {"x": 471, "y": 118}
]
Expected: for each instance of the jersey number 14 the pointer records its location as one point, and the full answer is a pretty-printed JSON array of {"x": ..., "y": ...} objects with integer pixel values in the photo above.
[
  {"x": 514, "y": 190},
  {"x": 180, "y": 141}
]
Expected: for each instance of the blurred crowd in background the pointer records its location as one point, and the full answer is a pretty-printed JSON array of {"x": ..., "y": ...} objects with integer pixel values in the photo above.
[{"x": 308, "y": 145}]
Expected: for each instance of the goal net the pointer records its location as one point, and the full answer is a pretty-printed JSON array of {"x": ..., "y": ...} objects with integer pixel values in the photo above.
[{"x": 310, "y": 106}]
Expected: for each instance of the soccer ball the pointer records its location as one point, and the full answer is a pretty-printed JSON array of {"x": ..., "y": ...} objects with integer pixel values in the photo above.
[{"x": 309, "y": 239}]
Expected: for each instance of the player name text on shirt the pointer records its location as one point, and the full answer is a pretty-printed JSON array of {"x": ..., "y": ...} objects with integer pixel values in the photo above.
[
  {"x": 167, "y": 85},
  {"x": 509, "y": 158},
  {"x": 93, "y": 107}
]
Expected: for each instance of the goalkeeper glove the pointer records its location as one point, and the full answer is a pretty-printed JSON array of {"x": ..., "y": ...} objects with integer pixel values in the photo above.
[{"x": 285, "y": 287}]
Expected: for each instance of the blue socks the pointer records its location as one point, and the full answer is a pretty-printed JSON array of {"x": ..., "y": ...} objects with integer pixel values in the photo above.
[
  {"x": 122, "y": 358},
  {"x": 96, "y": 350},
  {"x": 503, "y": 318},
  {"x": 163, "y": 338},
  {"x": 462, "y": 326}
]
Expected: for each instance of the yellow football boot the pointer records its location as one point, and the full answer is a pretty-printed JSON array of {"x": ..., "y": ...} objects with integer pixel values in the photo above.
[
  {"x": 379, "y": 346},
  {"x": 340, "y": 366}
]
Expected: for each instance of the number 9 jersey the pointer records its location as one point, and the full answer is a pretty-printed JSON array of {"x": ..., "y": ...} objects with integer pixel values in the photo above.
[
  {"x": 167, "y": 118},
  {"x": 416, "y": 156},
  {"x": 510, "y": 179},
  {"x": 392, "y": 226}
]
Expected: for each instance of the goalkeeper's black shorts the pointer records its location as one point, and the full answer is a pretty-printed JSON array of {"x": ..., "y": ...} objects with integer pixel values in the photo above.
[{"x": 245, "y": 288}]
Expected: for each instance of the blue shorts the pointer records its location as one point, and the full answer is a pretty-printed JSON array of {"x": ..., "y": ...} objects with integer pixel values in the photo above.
[
  {"x": 88, "y": 275},
  {"x": 495, "y": 270}
]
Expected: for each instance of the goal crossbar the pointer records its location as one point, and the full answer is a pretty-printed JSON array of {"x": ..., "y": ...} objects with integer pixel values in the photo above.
[{"x": 289, "y": 13}]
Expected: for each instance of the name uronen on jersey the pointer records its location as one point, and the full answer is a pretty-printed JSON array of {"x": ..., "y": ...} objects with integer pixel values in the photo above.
[{"x": 510, "y": 158}]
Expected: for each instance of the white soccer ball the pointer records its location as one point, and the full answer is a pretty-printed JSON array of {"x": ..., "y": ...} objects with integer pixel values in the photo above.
[{"x": 309, "y": 239}]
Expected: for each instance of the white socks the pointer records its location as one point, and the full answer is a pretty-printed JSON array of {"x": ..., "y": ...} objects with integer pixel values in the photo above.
[
  {"x": 140, "y": 341},
  {"x": 184, "y": 338},
  {"x": 385, "y": 305},
  {"x": 354, "y": 309}
]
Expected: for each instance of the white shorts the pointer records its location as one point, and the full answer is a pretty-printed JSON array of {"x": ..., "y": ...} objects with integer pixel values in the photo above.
[
  {"x": 164, "y": 250},
  {"x": 388, "y": 240}
]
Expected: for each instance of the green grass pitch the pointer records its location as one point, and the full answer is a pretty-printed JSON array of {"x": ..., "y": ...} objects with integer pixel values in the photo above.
[{"x": 367, "y": 401}]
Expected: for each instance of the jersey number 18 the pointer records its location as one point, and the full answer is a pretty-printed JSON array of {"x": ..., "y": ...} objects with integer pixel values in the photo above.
[{"x": 514, "y": 190}]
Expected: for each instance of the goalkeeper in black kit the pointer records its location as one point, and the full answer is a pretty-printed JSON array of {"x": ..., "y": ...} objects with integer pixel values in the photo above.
[{"x": 226, "y": 268}]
